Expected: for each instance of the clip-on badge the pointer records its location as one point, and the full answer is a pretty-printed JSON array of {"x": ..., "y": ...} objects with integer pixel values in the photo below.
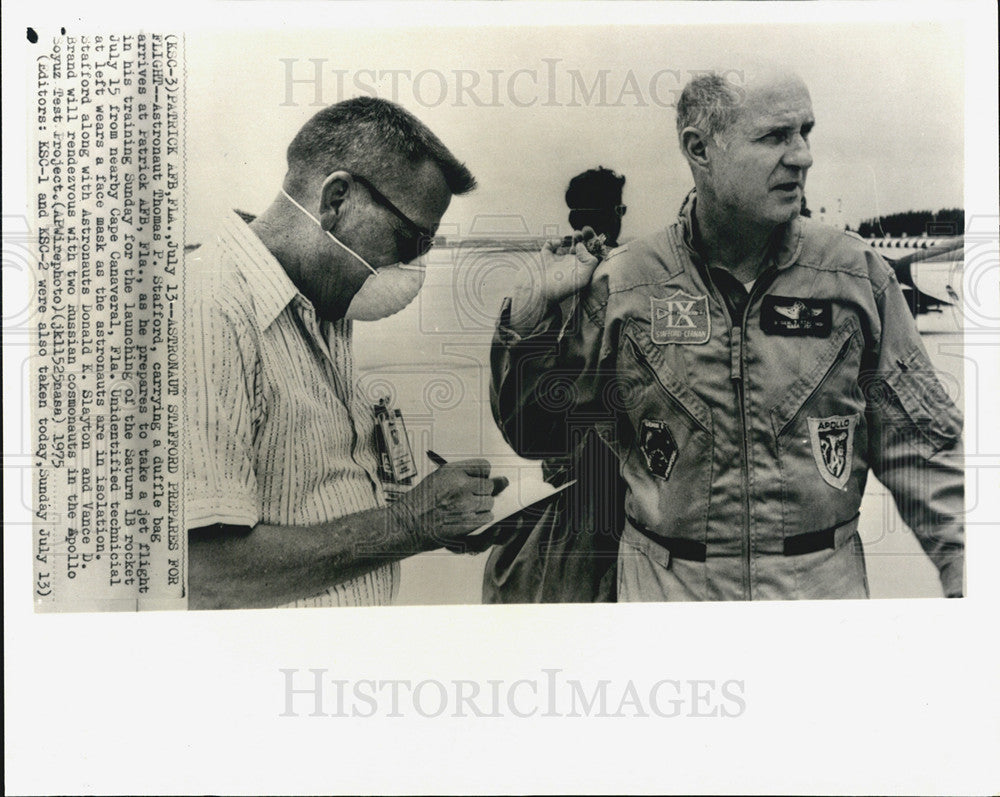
[{"x": 396, "y": 463}]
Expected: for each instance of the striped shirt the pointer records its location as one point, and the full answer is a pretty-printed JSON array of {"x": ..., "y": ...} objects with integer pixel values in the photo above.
[{"x": 276, "y": 431}]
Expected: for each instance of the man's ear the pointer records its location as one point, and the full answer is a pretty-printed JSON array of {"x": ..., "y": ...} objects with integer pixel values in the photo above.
[
  {"x": 335, "y": 190},
  {"x": 694, "y": 145}
]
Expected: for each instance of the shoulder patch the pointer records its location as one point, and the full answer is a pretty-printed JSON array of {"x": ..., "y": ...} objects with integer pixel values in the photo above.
[{"x": 679, "y": 318}]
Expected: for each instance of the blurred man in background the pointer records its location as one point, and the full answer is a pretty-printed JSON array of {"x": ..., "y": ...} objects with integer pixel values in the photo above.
[{"x": 594, "y": 199}]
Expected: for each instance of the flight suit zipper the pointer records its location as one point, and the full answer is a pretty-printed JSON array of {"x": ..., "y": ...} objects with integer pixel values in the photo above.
[
  {"x": 738, "y": 377},
  {"x": 736, "y": 334}
]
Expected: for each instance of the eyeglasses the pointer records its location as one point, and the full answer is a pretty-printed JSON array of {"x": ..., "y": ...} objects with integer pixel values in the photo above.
[
  {"x": 618, "y": 209},
  {"x": 408, "y": 247}
]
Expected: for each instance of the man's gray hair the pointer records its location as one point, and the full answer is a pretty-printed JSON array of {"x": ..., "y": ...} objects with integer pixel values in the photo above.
[
  {"x": 369, "y": 136},
  {"x": 709, "y": 103}
]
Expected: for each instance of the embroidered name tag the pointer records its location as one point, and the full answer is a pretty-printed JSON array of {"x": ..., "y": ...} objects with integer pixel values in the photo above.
[
  {"x": 789, "y": 315},
  {"x": 679, "y": 318}
]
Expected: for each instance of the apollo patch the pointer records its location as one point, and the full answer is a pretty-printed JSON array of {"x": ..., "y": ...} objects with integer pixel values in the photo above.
[
  {"x": 790, "y": 315},
  {"x": 833, "y": 447},
  {"x": 679, "y": 318},
  {"x": 658, "y": 447}
]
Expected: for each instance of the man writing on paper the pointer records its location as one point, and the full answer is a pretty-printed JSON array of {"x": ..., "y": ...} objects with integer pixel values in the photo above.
[
  {"x": 758, "y": 364},
  {"x": 283, "y": 500}
]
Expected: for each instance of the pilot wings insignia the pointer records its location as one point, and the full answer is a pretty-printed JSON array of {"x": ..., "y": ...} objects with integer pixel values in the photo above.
[{"x": 790, "y": 315}]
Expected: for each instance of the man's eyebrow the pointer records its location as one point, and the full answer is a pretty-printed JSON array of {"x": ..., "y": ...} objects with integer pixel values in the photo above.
[{"x": 768, "y": 126}]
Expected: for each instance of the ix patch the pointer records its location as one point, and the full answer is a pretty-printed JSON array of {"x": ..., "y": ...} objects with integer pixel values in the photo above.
[
  {"x": 658, "y": 447},
  {"x": 789, "y": 315},
  {"x": 833, "y": 447},
  {"x": 679, "y": 318}
]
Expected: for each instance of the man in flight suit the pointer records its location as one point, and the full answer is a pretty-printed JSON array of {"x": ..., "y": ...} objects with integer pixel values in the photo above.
[{"x": 755, "y": 366}]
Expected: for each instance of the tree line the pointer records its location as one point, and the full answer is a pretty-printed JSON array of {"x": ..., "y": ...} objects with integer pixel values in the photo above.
[{"x": 948, "y": 221}]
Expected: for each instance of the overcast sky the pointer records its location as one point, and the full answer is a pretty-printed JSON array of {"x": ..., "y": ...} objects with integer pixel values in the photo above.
[{"x": 512, "y": 102}]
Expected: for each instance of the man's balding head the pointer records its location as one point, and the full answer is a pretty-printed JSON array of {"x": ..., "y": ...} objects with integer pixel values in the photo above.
[
  {"x": 713, "y": 101},
  {"x": 747, "y": 144}
]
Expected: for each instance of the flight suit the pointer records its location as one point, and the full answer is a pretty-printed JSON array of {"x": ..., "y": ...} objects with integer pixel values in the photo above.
[{"x": 745, "y": 421}]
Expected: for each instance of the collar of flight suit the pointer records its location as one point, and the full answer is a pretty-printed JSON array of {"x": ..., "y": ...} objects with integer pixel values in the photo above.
[{"x": 784, "y": 252}]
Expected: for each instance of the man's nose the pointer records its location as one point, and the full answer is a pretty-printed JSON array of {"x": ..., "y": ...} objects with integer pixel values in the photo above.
[{"x": 798, "y": 155}]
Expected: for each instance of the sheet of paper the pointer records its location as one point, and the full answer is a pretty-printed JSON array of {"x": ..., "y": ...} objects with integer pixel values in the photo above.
[{"x": 519, "y": 495}]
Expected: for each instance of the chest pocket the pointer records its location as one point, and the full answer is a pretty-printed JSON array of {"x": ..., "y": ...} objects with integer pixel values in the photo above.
[
  {"x": 668, "y": 456},
  {"x": 821, "y": 436},
  {"x": 830, "y": 386}
]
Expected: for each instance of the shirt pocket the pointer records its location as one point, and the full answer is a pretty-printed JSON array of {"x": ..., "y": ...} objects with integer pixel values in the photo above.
[
  {"x": 668, "y": 442},
  {"x": 825, "y": 406},
  {"x": 831, "y": 382}
]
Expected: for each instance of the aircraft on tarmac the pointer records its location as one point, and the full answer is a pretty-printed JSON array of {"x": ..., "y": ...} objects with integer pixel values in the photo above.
[{"x": 929, "y": 269}]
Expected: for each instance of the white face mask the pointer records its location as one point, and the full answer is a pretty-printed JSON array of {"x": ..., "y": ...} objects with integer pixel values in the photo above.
[{"x": 386, "y": 291}]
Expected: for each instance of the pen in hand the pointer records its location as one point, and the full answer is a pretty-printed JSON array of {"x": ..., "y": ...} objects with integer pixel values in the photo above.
[
  {"x": 469, "y": 543},
  {"x": 499, "y": 482},
  {"x": 436, "y": 458}
]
